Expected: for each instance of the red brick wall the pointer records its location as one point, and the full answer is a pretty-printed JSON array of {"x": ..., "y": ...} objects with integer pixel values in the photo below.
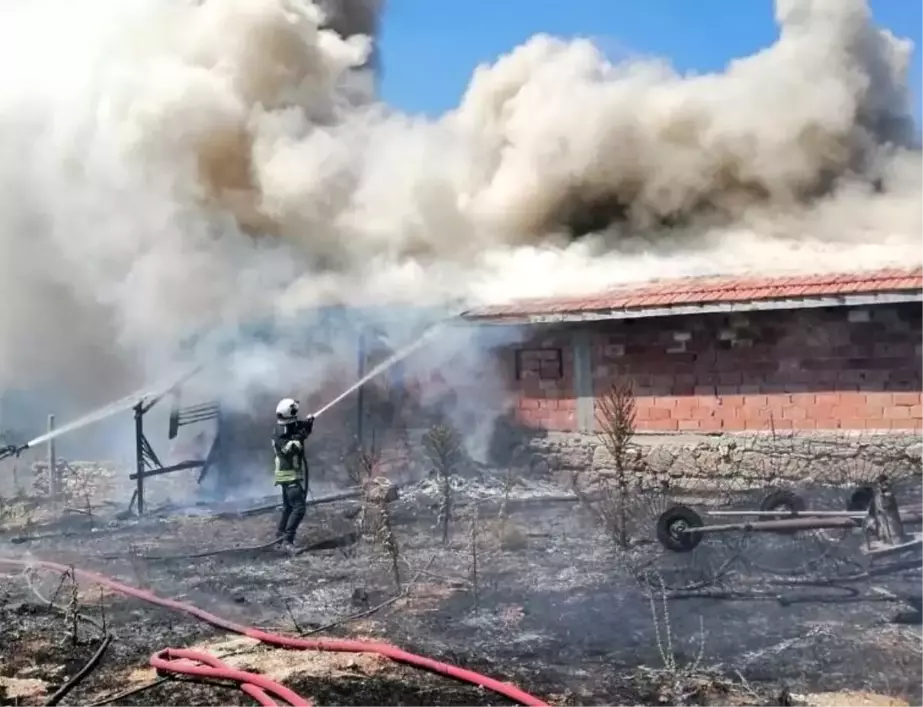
[
  {"x": 822, "y": 369},
  {"x": 545, "y": 400}
]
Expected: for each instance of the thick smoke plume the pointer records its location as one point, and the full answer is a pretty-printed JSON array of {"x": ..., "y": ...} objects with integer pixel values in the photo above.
[{"x": 174, "y": 168}]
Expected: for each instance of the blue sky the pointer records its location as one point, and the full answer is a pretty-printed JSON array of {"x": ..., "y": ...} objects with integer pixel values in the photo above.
[{"x": 430, "y": 47}]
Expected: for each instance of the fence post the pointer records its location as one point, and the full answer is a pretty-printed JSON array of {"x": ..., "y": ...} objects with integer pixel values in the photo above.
[
  {"x": 54, "y": 486},
  {"x": 139, "y": 457}
]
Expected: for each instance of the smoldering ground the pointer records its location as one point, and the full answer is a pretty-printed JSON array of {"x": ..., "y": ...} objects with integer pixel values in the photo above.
[
  {"x": 560, "y": 613},
  {"x": 173, "y": 168}
]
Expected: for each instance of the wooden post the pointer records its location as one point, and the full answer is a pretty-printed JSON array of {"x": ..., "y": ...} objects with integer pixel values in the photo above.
[
  {"x": 221, "y": 467},
  {"x": 139, "y": 456},
  {"x": 54, "y": 486}
]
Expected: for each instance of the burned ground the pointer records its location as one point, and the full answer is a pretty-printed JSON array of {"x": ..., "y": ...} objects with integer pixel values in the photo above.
[{"x": 554, "y": 608}]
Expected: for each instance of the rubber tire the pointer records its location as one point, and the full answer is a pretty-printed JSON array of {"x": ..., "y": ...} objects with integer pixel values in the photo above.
[
  {"x": 669, "y": 540},
  {"x": 783, "y": 498},
  {"x": 860, "y": 499}
]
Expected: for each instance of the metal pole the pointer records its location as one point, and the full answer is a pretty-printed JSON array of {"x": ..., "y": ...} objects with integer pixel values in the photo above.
[
  {"x": 54, "y": 489},
  {"x": 139, "y": 456}
]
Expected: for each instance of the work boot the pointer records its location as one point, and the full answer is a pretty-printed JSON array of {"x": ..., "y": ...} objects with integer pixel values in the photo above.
[{"x": 288, "y": 547}]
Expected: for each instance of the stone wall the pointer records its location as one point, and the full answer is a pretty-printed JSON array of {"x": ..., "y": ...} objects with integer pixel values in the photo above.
[{"x": 728, "y": 461}]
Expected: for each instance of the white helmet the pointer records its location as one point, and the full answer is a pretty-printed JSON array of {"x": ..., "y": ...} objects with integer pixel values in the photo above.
[{"x": 287, "y": 411}]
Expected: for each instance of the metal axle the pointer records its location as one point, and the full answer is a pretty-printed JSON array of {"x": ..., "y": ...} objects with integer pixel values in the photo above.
[
  {"x": 680, "y": 528},
  {"x": 780, "y": 525}
]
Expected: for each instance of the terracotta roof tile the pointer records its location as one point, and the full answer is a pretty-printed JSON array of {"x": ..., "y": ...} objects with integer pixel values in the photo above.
[{"x": 715, "y": 289}]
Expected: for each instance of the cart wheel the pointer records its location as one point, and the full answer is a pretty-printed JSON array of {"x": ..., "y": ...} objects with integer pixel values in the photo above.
[
  {"x": 860, "y": 499},
  {"x": 671, "y": 526},
  {"x": 783, "y": 500}
]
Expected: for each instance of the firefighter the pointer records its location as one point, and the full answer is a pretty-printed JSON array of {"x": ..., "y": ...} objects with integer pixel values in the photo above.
[{"x": 291, "y": 468}]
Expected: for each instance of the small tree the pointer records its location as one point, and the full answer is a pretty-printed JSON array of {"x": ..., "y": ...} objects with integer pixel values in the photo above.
[
  {"x": 376, "y": 492},
  {"x": 444, "y": 450},
  {"x": 503, "y": 514},
  {"x": 615, "y": 416},
  {"x": 387, "y": 538},
  {"x": 361, "y": 463},
  {"x": 473, "y": 550}
]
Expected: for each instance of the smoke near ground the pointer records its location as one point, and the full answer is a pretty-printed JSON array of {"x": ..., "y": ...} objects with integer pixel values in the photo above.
[{"x": 170, "y": 168}]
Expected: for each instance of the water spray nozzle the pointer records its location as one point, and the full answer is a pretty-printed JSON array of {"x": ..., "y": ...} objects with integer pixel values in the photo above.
[{"x": 12, "y": 450}]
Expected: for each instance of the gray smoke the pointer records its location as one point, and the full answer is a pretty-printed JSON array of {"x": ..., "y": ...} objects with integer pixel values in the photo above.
[{"x": 173, "y": 169}]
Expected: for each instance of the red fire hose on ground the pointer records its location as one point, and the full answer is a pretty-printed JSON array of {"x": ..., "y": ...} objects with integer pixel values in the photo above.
[
  {"x": 198, "y": 664},
  {"x": 281, "y": 641}
]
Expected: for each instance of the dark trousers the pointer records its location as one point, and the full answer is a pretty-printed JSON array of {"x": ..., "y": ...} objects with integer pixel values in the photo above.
[{"x": 293, "y": 509}]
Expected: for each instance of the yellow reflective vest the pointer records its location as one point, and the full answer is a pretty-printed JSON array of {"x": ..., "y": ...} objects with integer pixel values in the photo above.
[{"x": 289, "y": 460}]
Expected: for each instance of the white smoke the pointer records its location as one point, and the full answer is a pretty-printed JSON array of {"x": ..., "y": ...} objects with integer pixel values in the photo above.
[{"x": 172, "y": 167}]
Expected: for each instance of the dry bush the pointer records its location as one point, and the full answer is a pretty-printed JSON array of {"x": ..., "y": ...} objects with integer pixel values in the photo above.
[
  {"x": 84, "y": 485},
  {"x": 20, "y": 513},
  {"x": 80, "y": 486},
  {"x": 501, "y": 534},
  {"x": 388, "y": 541},
  {"x": 374, "y": 520},
  {"x": 443, "y": 449},
  {"x": 511, "y": 538},
  {"x": 508, "y": 537},
  {"x": 360, "y": 465},
  {"x": 473, "y": 532},
  {"x": 72, "y": 617},
  {"x": 675, "y": 683},
  {"x": 71, "y": 609},
  {"x": 663, "y": 632}
]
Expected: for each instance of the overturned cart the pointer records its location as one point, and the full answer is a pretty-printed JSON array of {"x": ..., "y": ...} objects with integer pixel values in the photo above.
[{"x": 872, "y": 509}]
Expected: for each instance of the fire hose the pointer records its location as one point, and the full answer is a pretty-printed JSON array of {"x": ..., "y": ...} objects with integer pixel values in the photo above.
[
  {"x": 281, "y": 641},
  {"x": 202, "y": 665}
]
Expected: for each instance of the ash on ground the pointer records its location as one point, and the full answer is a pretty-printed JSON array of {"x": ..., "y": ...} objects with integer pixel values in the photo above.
[{"x": 518, "y": 580}]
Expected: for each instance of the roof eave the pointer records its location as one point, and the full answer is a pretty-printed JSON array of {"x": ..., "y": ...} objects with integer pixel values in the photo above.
[{"x": 788, "y": 303}]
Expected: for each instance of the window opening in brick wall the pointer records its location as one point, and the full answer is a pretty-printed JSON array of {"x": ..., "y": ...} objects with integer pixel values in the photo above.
[{"x": 544, "y": 364}]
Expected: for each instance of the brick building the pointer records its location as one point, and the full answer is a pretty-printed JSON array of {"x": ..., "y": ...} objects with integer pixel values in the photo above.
[
  {"x": 711, "y": 355},
  {"x": 706, "y": 356}
]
